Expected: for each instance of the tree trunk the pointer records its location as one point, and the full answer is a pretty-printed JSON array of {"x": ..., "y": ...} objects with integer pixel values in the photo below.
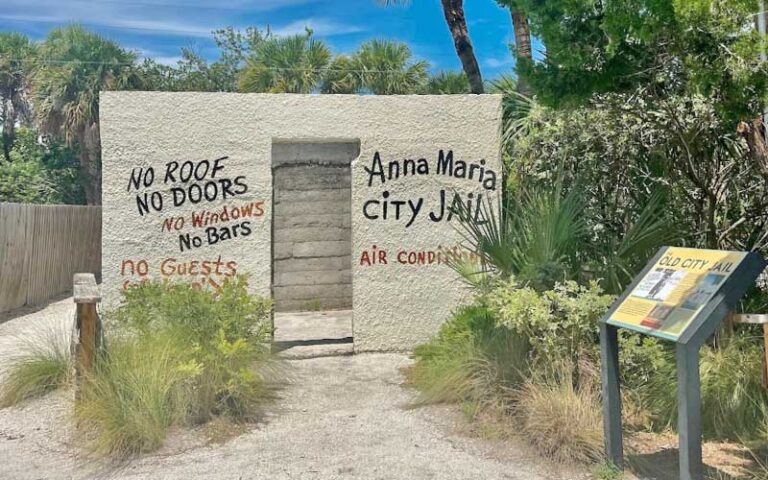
[
  {"x": 457, "y": 24},
  {"x": 7, "y": 137},
  {"x": 6, "y": 148},
  {"x": 754, "y": 134},
  {"x": 522, "y": 46},
  {"x": 89, "y": 164}
]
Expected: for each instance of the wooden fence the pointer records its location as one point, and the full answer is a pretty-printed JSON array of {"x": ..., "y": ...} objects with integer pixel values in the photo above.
[{"x": 42, "y": 246}]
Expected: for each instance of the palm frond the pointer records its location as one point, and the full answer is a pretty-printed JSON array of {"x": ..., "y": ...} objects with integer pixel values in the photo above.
[
  {"x": 534, "y": 237},
  {"x": 517, "y": 109},
  {"x": 652, "y": 230}
]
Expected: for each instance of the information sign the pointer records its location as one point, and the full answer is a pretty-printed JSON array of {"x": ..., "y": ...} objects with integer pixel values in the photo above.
[
  {"x": 682, "y": 295},
  {"x": 675, "y": 290}
]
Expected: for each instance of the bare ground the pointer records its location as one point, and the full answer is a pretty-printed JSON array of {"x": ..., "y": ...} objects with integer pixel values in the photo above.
[{"x": 340, "y": 417}]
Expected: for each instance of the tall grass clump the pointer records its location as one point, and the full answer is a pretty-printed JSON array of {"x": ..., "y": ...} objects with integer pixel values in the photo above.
[
  {"x": 734, "y": 400},
  {"x": 133, "y": 398},
  {"x": 471, "y": 360},
  {"x": 561, "y": 418},
  {"x": 44, "y": 364},
  {"x": 179, "y": 356}
]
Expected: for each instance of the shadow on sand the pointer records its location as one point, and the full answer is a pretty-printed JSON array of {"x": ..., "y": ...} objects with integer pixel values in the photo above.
[
  {"x": 30, "y": 309},
  {"x": 663, "y": 465}
]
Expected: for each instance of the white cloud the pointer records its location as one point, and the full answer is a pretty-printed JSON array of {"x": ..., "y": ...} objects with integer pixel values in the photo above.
[
  {"x": 153, "y": 27},
  {"x": 499, "y": 62},
  {"x": 242, "y": 5},
  {"x": 163, "y": 17},
  {"x": 170, "y": 61},
  {"x": 321, "y": 27},
  {"x": 156, "y": 55}
]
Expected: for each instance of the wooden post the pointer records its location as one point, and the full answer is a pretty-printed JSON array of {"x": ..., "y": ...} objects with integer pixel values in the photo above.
[
  {"x": 86, "y": 296},
  {"x": 765, "y": 355}
]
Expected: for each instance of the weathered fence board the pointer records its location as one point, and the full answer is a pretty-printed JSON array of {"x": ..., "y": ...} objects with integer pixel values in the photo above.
[{"x": 42, "y": 246}]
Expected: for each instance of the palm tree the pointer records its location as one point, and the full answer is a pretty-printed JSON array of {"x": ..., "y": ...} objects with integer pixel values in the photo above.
[
  {"x": 523, "y": 47},
  {"x": 341, "y": 76},
  {"x": 386, "y": 68},
  {"x": 446, "y": 83},
  {"x": 453, "y": 10},
  {"x": 73, "y": 65},
  {"x": 381, "y": 67},
  {"x": 292, "y": 64},
  {"x": 15, "y": 51}
]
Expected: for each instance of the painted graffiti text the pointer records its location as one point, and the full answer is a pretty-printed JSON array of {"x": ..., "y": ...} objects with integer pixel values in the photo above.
[
  {"x": 214, "y": 235},
  {"x": 408, "y": 210},
  {"x": 444, "y": 165},
  {"x": 199, "y": 272},
  {"x": 187, "y": 182},
  {"x": 376, "y": 256}
]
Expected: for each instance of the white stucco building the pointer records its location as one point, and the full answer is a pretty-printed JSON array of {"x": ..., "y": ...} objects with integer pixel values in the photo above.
[{"x": 331, "y": 200}]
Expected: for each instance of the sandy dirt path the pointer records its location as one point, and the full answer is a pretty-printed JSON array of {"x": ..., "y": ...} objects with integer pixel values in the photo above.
[{"x": 341, "y": 417}]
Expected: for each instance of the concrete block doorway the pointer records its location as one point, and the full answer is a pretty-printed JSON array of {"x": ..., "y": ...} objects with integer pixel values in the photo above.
[{"x": 312, "y": 245}]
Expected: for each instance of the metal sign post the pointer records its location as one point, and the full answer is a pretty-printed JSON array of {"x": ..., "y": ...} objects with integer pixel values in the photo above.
[{"x": 682, "y": 295}]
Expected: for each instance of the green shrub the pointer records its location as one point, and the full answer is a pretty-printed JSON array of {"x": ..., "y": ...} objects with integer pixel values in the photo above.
[
  {"x": 44, "y": 365},
  {"x": 485, "y": 356},
  {"x": 607, "y": 471},
  {"x": 560, "y": 324},
  {"x": 25, "y": 181},
  {"x": 40, "y": 172},
  {"x": 220, "y": 336},
  {"x": 195, "y": 313},
  {"x": 535, "y": 355},
  {"x": 181, "y": 355}
]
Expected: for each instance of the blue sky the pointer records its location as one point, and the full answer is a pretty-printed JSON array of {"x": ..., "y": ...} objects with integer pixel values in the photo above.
[{"x": 159, "y": 28}]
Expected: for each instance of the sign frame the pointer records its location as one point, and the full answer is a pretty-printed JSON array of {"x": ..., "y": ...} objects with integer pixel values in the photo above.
[{"x": 688, "y": 344}]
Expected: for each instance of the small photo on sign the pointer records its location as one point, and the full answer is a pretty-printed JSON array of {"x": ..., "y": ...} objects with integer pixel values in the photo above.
[
  {"x": 656, "y": 318},
  {"x": 703, "y": 292},
  {"x": 658, "y": 284}
]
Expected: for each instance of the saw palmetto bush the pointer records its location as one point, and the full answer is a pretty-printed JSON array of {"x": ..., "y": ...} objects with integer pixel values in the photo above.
[
  {"x": 518, "y": 109},
  {"x": 544, "y": 236},
  {"x": 534, "y": 237}
]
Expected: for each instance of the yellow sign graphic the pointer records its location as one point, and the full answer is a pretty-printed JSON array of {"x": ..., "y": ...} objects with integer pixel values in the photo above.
[{"x": 674, "y": 291}]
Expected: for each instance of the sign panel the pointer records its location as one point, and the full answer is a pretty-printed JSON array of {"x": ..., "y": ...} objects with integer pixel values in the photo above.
[{"x": 674, "y": 290}]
